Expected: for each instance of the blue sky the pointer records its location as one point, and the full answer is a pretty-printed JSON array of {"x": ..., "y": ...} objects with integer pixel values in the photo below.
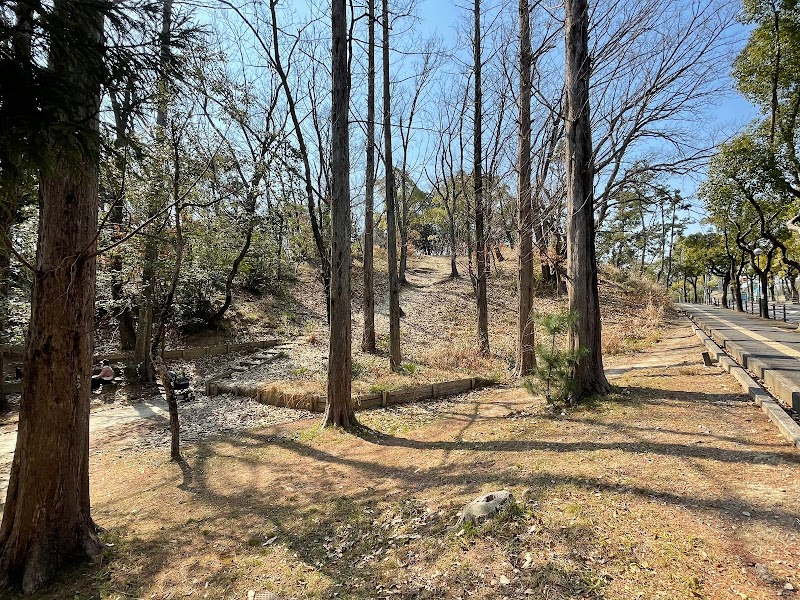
[{"x": 731, "y": 114}]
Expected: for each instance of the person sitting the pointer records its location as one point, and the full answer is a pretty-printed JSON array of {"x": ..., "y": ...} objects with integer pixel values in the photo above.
[
  {"x": 106, "y": 375},
  {"x": 107, "y": 372}
]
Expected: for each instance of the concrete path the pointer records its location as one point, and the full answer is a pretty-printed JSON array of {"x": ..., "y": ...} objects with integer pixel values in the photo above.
[
  {"x": 103, "y": 419},
  {"x": 778, "y": 310},
  {"x": 770, "y": 350},
  {"x": 100, "y": 420}
]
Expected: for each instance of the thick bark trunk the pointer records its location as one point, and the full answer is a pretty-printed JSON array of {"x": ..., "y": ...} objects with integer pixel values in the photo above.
[
  {"x": 726, "y": 281},
  {"x": 526, "y": 356},
  {"x": 368, "y": 341},
  {"x": 395, "y": 358},
  {"x": 584, "y": 300},
  {"x": 46, "y": 519},
  {"x": 339, "y": 409},
  {"x": 480, "y": 236}
]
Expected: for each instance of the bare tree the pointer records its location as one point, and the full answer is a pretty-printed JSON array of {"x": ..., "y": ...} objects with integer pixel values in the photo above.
[
  {"x": 368, "y": 341},
  {"x": 339, "y": 407},
  {"x": 391, "y": 200},
  {"x": 477, "y": 176},
  {"x": 526, "y": 356},
  {"x": 584, "y": 297},
  {"x": 655, "y": 69},
  {"x": 447, "y": 179},
  {"x": 420, "y": 82}
]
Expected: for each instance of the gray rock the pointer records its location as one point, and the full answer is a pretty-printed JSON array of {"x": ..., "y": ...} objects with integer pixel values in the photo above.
[
  {"x": 764, "y": 573},
  {"x": 485, "y": 507}
]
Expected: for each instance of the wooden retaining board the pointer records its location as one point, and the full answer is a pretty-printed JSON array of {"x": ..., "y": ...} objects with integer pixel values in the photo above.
[{"x": 316, "y": 403}]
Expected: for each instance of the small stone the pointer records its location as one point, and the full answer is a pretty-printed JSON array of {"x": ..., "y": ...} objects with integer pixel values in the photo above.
[
  {"x": 788, "y": 587},
  {"x": 764, "y": 573},
  {"x": 746, "y": 513},
  {"x": 486, "y": 507},
  {"x": 504, "y": 580}
]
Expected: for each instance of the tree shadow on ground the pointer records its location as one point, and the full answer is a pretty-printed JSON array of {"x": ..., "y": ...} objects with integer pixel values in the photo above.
[{"x": 310, "y": 504}]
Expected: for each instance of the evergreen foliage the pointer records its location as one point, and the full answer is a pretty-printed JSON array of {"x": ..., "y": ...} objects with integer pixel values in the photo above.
[{"x": 552, "y": 377}]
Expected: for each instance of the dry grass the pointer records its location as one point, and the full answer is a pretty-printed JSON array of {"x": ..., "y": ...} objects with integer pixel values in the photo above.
[
  {"x": 438, "y": 332},
  {"x": 673, "y": 487}
]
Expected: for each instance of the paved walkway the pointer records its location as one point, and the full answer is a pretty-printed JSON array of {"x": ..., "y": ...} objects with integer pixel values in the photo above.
[
  {"x": 778, "y": 310},
  {"x": 115, "y": 416},
  {"x": 771, "y": 350}
]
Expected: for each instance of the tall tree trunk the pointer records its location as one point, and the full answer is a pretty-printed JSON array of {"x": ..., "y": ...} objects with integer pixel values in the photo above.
[
  {"x": 339, "y": 407},
  {"x": 166, "y": 307},
  {"x": 122, "y": 117},
  {"x": 644, "y": 237},
  {"x": 763, "y": 300},
  {"x": 584, "y": 297},
  {"x": 46, "y": 519},
  {"x": 401, "y": 277},
  {"x": 402, "y": 214},
  {"x": 480, "y": 236},
  {"x": 368, "y": 341},
  {"x": 526, "y": 357},
  {"x": 668, "y": 280},
  {"x": 726, "y": 281},
  {"x": 144, "y": 331},
  {"x": 7, "y": 208},
  {"x": 793, "y": 288},
  {"x": 144, "y": 334},
  {"x": 391, "y": 200}
]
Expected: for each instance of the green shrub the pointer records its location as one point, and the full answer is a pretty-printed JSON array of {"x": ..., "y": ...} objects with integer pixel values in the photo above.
[{"x": 554, "y": 364}]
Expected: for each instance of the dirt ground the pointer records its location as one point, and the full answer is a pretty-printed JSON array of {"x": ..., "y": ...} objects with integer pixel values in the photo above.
[{"x": 675, "y": 486}]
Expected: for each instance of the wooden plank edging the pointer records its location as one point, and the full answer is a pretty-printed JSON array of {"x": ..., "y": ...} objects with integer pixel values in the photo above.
[{"x": 316, "y": 403}]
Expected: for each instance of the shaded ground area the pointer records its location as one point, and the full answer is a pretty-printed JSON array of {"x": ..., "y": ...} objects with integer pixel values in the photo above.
[{"x": 673, "y": 487}]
